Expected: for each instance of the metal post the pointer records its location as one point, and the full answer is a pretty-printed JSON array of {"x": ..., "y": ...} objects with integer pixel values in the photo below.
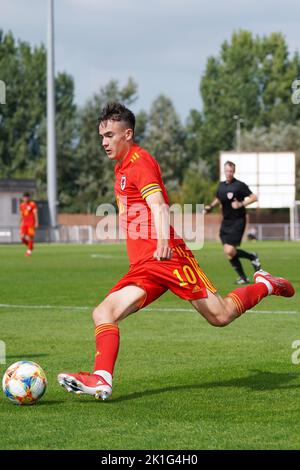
[
  {"x": 238, "y": 135},
  {"x": 51, "y": 140},
  {"x": 286, "y": 232},
  {"x": 292, "y": 223},
  {"x": 238, "y": 120}
]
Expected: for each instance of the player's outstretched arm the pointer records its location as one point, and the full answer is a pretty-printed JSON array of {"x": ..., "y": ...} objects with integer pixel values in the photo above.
[
  {"x": 211, "y": 206},
  {"x": 161, "y": 217}
]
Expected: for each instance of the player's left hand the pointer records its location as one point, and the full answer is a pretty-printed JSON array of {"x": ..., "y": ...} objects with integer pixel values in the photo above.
[
  {"x": 163, "y": 253},
  {"x": 236, "y": 204}
]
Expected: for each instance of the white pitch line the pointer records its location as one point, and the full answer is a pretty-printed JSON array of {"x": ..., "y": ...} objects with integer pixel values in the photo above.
[
  {"x": 42, "y": 307},
  {"x": 150, "y": 309},
  {"x": 106, "y": 256},
  {"x": 290, "y": 312}
]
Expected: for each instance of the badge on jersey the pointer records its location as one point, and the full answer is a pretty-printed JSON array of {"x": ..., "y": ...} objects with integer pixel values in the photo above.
[
  {"x": 123, "y": 182},
  {"x": 230, "y": 195}
]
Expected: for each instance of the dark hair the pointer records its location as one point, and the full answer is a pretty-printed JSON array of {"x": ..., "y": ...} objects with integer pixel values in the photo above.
[
  {"x": 26, "y": 194},
  {"x": 229, "y": 163},
  {"x": 117, "y": 112}
]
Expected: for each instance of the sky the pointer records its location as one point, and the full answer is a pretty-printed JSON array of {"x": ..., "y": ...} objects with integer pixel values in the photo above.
[{"x": 162, "y": 44}]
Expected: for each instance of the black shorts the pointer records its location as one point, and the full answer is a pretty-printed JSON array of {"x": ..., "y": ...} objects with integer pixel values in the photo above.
[{"x": 232, "y": 231}]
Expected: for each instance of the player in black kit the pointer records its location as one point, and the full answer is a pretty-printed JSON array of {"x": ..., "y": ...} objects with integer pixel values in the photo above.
[{"x": 234, "y": 196}]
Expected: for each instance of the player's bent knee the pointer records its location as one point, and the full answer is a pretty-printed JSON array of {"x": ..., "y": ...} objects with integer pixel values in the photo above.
[
  {"x": 223, "y": 317},
  {"x": 103, "y": 314},
  {"x": 229, "y": 253},
  {"x": 219, "y": 321}
]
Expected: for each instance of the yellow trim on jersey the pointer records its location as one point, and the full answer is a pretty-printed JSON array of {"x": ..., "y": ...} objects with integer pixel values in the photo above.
[
  {"x": 150, "y": 189},
  {"x": 148, "y": 186},
  {"x": 157, "y": 190},
  {"x": 134, "y": 157}
]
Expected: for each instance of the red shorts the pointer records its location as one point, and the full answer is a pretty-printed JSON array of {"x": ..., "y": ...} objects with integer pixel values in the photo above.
[
  {"x": 28, "y": 230},
  {"x": 181, "y": 274}
]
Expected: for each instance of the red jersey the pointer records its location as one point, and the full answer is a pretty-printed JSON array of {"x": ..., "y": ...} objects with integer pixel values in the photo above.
[
  {"x": 27, "y": 213},
  {"x": 138, "y": 176}
]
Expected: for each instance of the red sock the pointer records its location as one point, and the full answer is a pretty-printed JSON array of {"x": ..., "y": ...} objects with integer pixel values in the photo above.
[
  {"x": 247, "y": 297},
  {"x": 23, "y": 239},
  {"x": 30, "y": 245},
  {"x": 107, "y": 346}
]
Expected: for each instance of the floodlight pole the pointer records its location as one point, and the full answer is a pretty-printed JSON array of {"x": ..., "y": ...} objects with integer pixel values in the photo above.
[
  {"x": 238, "y": 120},
  {"x": 51, "y": 139},
  {"x": 292, "y": 223}
]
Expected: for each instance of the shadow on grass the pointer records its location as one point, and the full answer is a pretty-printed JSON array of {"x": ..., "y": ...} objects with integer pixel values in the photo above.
[
  {"x": 35, "y": 405},
  {"x": 256, "y": 381},
  {"x": 50, "y": 402}
]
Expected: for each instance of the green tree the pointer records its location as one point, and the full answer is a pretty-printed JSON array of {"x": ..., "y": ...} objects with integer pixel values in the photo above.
[
  {"x": 165, "y": 140},
  {"x": 193, "y": 136},
  {"x": 279, "y": 137},
  {"x": 197, "y": 187},
  {"x": 94, "y": 181},
  {"x": 277, "y": 70},
  {"x": 23, "y": 117},
  {"x": 24, "y": 72},
  {"x": 251, "y": 78}
]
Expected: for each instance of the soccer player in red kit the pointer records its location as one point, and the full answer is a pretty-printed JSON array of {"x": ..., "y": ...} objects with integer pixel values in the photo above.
[
  {"x": 159, "y": 260},
  {"x": 28, "y": 222}
]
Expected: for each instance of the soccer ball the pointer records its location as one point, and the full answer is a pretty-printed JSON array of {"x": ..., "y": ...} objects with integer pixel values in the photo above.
[{"x": 24, "y": 382}]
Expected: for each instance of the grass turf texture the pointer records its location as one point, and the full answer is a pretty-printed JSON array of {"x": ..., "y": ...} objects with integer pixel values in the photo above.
[{"x": 179, "y": 382}]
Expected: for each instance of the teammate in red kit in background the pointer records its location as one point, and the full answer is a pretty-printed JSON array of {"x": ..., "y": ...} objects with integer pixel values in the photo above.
[
  {"x": 159, "y": 260},
  {"x": 28, "y": 222}
]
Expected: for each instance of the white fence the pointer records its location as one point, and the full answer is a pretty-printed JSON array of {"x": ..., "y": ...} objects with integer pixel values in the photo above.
[
  {"x": 272, "y": 231},
  {"x": 87, "y": 233},
  {"x": 63, "y": 234},
  {"x": 77, "y": 234},
  {"x": 10, "y": 234}
]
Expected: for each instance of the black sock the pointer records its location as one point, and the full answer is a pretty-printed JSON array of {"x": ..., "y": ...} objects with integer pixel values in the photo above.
[
  {"x": 244, "y": 254},
  {"x": 236, "y": 264}
]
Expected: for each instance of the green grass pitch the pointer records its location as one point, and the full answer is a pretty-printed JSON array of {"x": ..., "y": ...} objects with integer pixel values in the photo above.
[{"x": 179, "y": 382}]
